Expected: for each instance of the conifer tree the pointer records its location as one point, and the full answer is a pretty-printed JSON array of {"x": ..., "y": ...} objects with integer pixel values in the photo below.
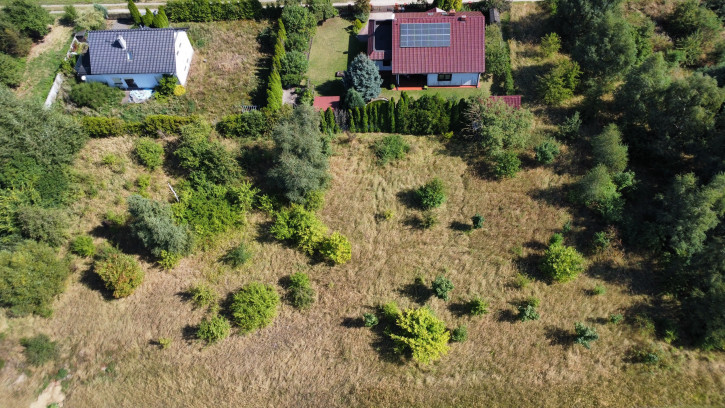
[
  {"x": 148, "y": 18},
  {"x": 160, "y": 20},
  {"x": 135, "y": 14}
]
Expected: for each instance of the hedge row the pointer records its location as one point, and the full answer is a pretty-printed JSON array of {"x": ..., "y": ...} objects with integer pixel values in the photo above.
[
  {"x": 152, "y": 125},
  {"x": 214, "y": 10},
  {"x": 430, "y": 114},
  {"x": 274, "y": 82},
  {"x": 254, "y": 124}
]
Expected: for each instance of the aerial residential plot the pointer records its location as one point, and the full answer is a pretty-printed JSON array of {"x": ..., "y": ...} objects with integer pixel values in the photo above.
[{"x": 440, "y": 206}]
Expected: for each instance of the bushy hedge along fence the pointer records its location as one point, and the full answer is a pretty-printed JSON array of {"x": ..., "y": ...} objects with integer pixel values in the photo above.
[
  {"x": 152, "y": 125},
  {"x": 274, "y": 82},
  {"x": 215, "y": 10}
]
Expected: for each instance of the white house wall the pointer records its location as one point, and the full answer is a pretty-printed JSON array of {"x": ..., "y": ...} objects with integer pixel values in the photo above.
[
  {"x": 456, "y": 79},
  {"x": 143, "y": 81},
  {"x": 184, "y": 53}
]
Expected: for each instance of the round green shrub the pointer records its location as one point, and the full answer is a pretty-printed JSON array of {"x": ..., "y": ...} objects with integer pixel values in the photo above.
[
  {"x": 506, "y": 165},
  {"x": 237, "y": 256},
  {"x": 477, "y": 221},
  {"x": 478, "y": 306},
  {"x": 294, "y": 67},
  {"x": 121, "y": 273},
  {"x": 584, "y": 335},
  {"x": 213, "y": 329},
  {"x": 546, "y": 152},
  {"x": 202, "y": 295},
  {"x": 527, "y": 309},
  {"x": 301, "y": 295},
  {"x": 370, "y": 320},
  {"x": 420, "y": 333},
  {"x": 431, "y": 195},
  {"x": 83, "y": 246},
  {"x": 442, "y": 287},
  {"x": 459, "y": 334},
  {"x": 562, "y": 263},
  {"x": 254, "y": 306},
  {"x": 390, "y": 148},
  {"x": 336, "y": 249},
  {"x": 149, "y": 153},
  {"x": 94, "y": 95}
]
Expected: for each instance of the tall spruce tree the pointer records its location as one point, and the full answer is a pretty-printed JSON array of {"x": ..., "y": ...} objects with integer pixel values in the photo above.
[
  {"x": 135, "y": 14},
  {"x": 363, "y": 76}
]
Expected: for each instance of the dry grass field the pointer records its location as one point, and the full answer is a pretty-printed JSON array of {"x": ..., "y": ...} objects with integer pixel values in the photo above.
[{"x": 323, "y": 357}]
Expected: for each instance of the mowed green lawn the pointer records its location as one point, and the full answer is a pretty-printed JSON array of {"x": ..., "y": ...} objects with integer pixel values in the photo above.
[{"x": 332, "y": 48}]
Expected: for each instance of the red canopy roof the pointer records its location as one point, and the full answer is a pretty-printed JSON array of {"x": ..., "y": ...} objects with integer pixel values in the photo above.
[{"x": 465, "y": 54}]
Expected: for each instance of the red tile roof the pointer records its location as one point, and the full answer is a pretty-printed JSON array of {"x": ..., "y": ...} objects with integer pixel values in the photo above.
[
  {"x": 466, "y": 53},
  {"x": 513, "y": 101},
  {"x": 324, "y": 102},
  {"x": 372, "y": 53}
]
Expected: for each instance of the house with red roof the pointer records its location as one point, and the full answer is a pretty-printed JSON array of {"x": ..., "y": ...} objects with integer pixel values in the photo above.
[{"x": 433, "y": 48}]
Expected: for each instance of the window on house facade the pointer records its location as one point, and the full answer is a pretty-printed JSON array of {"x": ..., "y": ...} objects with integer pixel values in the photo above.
[
  {"x": 444, "y": 77},
  {"x": 386, "y": 63},
  {"x": 117, "y": 81}
]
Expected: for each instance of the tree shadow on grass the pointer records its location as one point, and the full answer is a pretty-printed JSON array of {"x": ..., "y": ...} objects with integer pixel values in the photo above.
[
  {"x": 461, "y": 308},
  {"x": 409, "y": 198},
  {"x": 460, "y": 226},
  {"x": 330, "y": 88},
  {"x": 507, "y": 316},
  {"x": 94, "y": 282},
  {"x": 263, "y": 234},
  {"x": 558, "y": 336},
  {"x": 352, "y": 323},
  {"x": 188, "y": 333},
  {"x": 417, "y": 292}
]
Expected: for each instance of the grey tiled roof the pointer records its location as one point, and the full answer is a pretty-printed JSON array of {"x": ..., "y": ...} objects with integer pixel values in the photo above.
[{"x": 151, "y": 51}]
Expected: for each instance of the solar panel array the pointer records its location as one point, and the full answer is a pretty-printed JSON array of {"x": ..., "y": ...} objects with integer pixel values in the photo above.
[{"x": 417, "y": 35}]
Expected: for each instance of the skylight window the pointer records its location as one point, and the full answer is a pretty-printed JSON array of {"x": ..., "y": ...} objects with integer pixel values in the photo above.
[{"x": 129, "y": 55}]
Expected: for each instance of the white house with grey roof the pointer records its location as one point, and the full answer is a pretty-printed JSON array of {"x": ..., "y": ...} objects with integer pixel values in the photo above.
[{"x": 136, "y": 59}]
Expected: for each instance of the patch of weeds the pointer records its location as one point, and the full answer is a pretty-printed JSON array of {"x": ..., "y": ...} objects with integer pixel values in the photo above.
[
  {"x": 459, "y": 334},
  {"x": 616, "y": 318},
  {"x": 300, "y": 292},
  {"x": 601, "y": 242},
  {"x": 518, "y": 250},
  {"x": 39, "y": 349},
  {"x": 164, "y": 342},
  {"x": 61, "y": 374},
  {"x": 644, "y": 325},
  {"x": 386, "y": 215},
  {"x": 114, "y": 162},
  {"x": 599, "y": 290},
  {"x": 527, "y": 309},
  {"x": 237, "y": 256},
  {"x": 142, "y": 183},
  {"x": 520, "y": 281},
  {"x": 429, "y": 220}
]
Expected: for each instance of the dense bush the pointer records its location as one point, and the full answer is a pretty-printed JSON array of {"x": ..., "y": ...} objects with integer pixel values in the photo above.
[
  {"x": 421, "y": 334},
  {"x": 97, "y": 127},
  {"x": 477, "y": 221},
  {"x": 30, "y": 277},
  {"x": 207, "y": 208},
  {"x": 43, "y": 224},
  {"x": 202, "y": 295},
  {"x": 431, "y": 195},
  {"x": 254, "y": 306},
  {"x": 300, "y": 227},
  {"x": 149, "y": 153},
  {"x": 546, "y": 152},
  {"x": 274, "y": 91},
  {"x": 550, "y": 44},
  {"x": 496, "y": 126},
  {"x": 28, "y": 17},
  {"x": 120, "y": 273},
  {"x": 506, "y": 164},
  {"x": 83, "y": 246},
  {"x": 569, "y": 129},
  {"x": 39, "y": 349},
  {"x": 584, "y": 335},
  {"x": 237, "y": 256},
  {"x": 254, "y": 124},
  {"x": 204, "y": 159},
  {"x": 478, "y": 306},
  {"x": 608, "y": 149},
  {"x": 166, "y": 86},
  {"x": 154, "y": 125},
  {"x": 689, "y": 17},
  {"x": 364, "y": 77},
  {"x": 296, "y": 42},
  {"x": 90, "y": 19},
  {"x": 152, "y": 223},
  {"x": 353, "y": 99},
  {"x": 321, "y": 9},
  {"x": 298, "y": 20},
  {"x": 205, "y": 10},
  {"x": 94, "y": 95},
  {"x": 335, "y": 248},
  {"x": 598, "y": 191},
  {"x": 459, "y": 334},
  {"x": 300, "y": 292},
  {"x": 11, "y": 70},
  {"x": 559, "y": 84},
  {"x": 301, "y": 162},
  {"x": 12, "y": 41},
  {"x": 442, "y": 287},
  {"x": 370, "y": 320},
  {"x": 293, "y": 68},
  {"x": 527, "y": 309},
  {"x": 391, "y": 148},
  {"x": 213, "y": 329},
  {"x": 498, "y": 60},
  {"x": 562, "y": 263}
]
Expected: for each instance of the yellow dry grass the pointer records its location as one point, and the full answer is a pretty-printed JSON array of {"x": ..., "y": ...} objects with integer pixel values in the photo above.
[{"x": 315, "y": 358}]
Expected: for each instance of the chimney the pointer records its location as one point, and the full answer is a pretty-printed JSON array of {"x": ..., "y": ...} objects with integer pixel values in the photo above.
[
  {"x": 452, "y": 12},
  {"x": 121, "y": 42},
  {"x": 462, "y": 18}
]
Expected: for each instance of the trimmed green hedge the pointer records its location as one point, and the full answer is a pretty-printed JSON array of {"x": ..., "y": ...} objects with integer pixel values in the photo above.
[
  {"x": 98, "y": 126},
  {"x": 204, "y": 10}
]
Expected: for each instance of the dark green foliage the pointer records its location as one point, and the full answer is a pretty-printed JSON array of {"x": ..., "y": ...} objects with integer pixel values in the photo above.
[
  {"x": 645, "y": 355},
  {"x": 459, "y": 334},
  {"x": 300, "y": 227},
  {"x": 152, "y": 223},
  {"x": 419, "y": 333},
  {"x": 12, "y": 42},
  {"x": 166, "y": 85},
  {"x": 556, "y": 239},
  {"x": 254, "y": 124},
  {"x": 332, "y": 126},
  {"x": 149, "y": 153},
  {"x": 498, "y": 59},
  {"x": 70, "y": 14},
  {"x": 301, "y": 163},
  {"x": 609, "y": 151},
  {"x": 448, "y": 5},
  {"x": 584, "y": 335},
  {"x": 431, "y": 195},
  {"x": 11, "y": 71},
  {"x": 98, "y": 126},
  {"x": 148, "y": 18},
  {"x": 94, "y": 95},
  {"x": 353, "y": 99},
  {"x": 505, "y": 164},
  {"x": 43, "y": 224},
  {"x": 160, "y": 20},
  {"x": 31, "y": 276},
  {"x": 39, "y": 349},
  {"x": 718, "y": 6},
  {"x": 204, "y": 159},
  {"x": 429, "y": 220},
  {"x": 559, "y": 84},
  {"x": 496, "y": 125},
  {"x": 237, "y": 256},
  {"x": 643, "y": 90},
  {"x": 429, "y": 114},
  {"x": 442, "y": 287},
  {"x": 274, "y": 91},
  {"x": 689, "y": 17},
  {"x": 573, "y": 18},
  {"x": 478, "y": 306},
  {"x": 391, "y": 148},
  {"x": 602, "y": 241},
  {"x": 297, "y": 42},
  {"x": 477, "y": 221},
  {"x": 569, "y": 130},
  {"x": 702, "y": 313},
  {"x": 364, "y": 77},
  {"x": 155, "y": 125},
  {"x": 293, "y": 68},
  {"x": 550, "y": 44},
  {"x": 207, "y": 208},
  {"x": 254, "y": 306},
  {"x": 205, "y": 10},
  {"x": 598, "y": 191},
  {"x": 606, "y": 50},
  {"x": 300, "y": 292},
  {"x": 83, "y": 246},
  {"x": 527, "y": 309},
  {"x": 213, "y": 329},
  {"x": 370, "y": 320},
  {"x": 120, "y": 273},
  {"x": 321, "y": 9},
  {"x": 28, "y": 17},
  {"x": 642, "y": 33},
  {"x": 616, "y": 318},
  {"x": 562, "y": 263},
  {"x": 298, "y": 19},
  {"x": 135, "y": 14},
  {"x": 547, "y": 151}
]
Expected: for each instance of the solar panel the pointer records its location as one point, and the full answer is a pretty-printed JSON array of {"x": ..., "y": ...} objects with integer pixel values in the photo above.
[{"x": 416, "y": 35}]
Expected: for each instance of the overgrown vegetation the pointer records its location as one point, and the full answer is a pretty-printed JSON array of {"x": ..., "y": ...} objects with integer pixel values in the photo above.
[{"x": 254, "y": 306}]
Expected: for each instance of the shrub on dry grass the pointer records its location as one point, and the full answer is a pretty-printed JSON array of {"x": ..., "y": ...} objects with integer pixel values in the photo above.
[
  {"x": 213, "y": 329},
  {"x": 421, "y": 334},
  {"x": 300, "y": 292},
  {"x": 431, "y": 195},
  {"x": 254, "y": 306},
  {"x": 83, "y": 246},
  {"x": 336, "y": 249},
  {"x": 442, "y": 287},
  {"x": 202, "y": 295},
  {"x": 39, "y": 349},
  {"x": 120, "y": 273}
]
